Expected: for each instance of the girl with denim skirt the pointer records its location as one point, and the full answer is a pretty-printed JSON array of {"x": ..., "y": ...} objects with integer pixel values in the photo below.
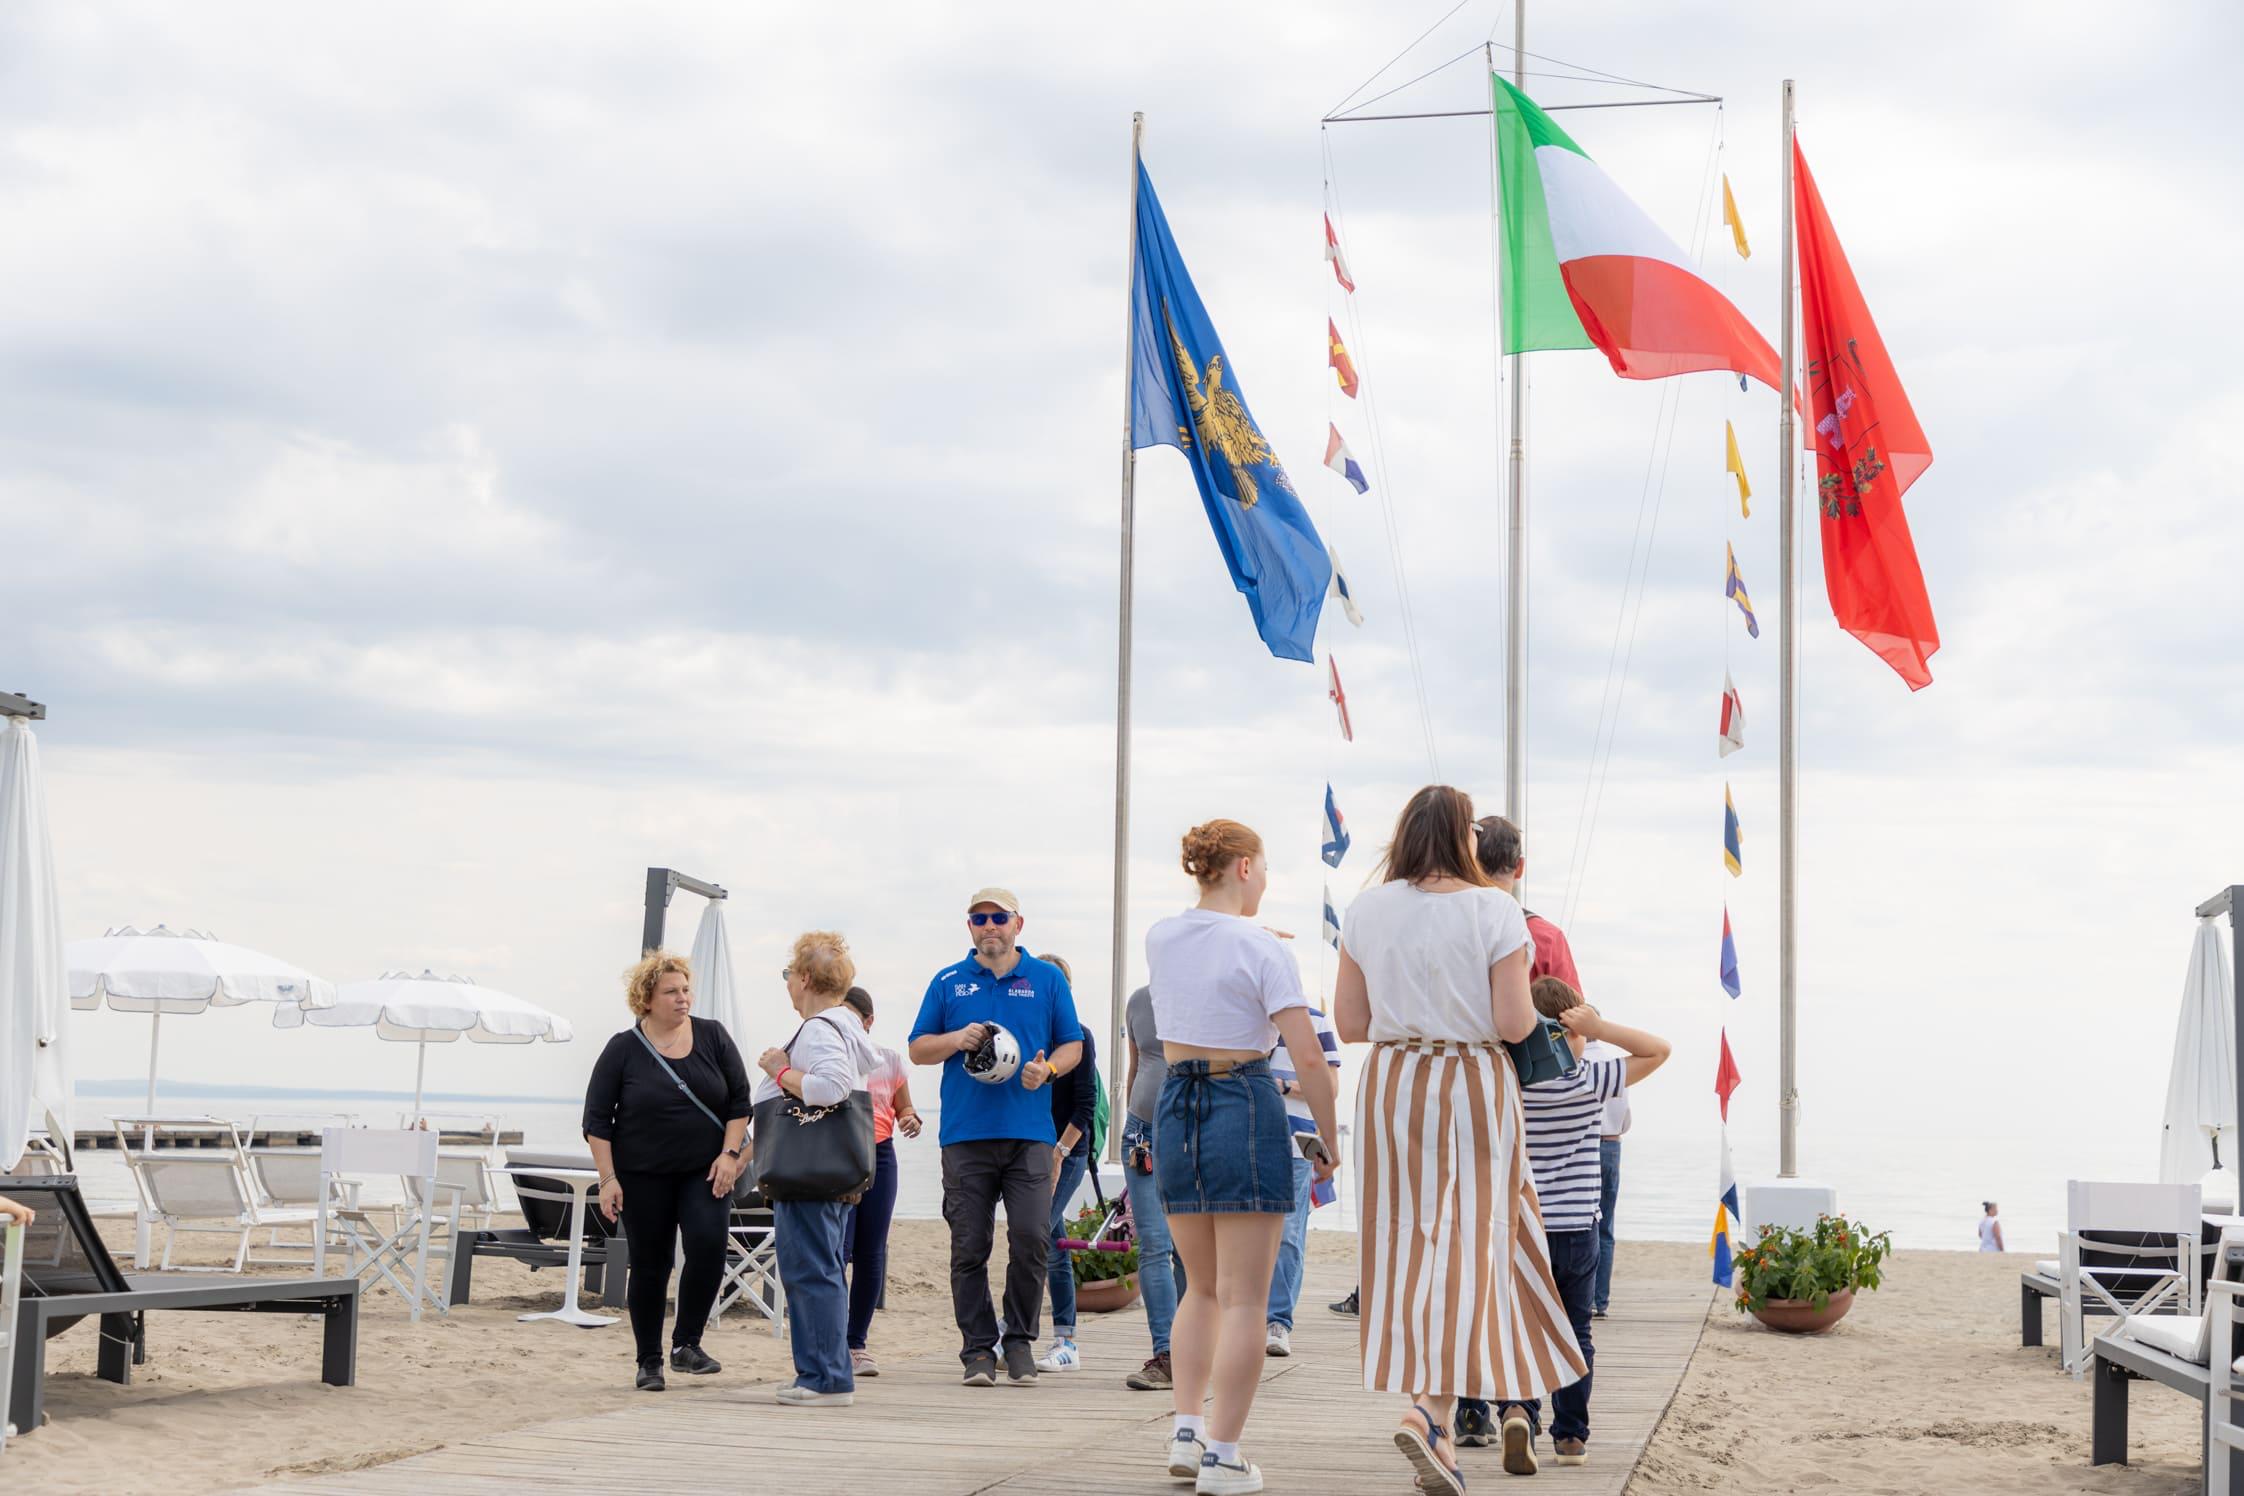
[{"x": 1225, "y": 993}]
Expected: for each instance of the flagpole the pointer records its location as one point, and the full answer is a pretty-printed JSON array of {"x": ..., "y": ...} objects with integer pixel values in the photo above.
[
  {"x": 1515, "y": 602},
  {"x": 1788, "y": 701},
  {"x": 1120, "y": 967}
]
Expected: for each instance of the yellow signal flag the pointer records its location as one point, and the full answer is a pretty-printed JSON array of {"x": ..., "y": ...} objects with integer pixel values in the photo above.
[
  {"x": 1731, "y": 219},
  {"x": 1736, "y": 465}
]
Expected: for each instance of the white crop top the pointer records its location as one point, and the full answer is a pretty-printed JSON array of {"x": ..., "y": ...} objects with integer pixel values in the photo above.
[{"x": 1217, "y": 979}]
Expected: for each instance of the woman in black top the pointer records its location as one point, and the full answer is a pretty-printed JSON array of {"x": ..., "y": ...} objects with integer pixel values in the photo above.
[
  {"x": 1074, "y": 1103},
  {"x": 667, "y": 1162}
]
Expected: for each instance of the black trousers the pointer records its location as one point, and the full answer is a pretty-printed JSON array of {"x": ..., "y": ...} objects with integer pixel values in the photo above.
[
  {"x": 975, "y": 1177},
  {"x": 659, "y": 1212}
]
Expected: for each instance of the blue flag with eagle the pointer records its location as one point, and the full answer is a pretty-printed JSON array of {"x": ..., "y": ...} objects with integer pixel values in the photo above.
[{"x": 1184, "y": 393}]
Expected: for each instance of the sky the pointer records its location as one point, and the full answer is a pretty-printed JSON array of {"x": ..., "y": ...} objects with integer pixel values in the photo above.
[{"x": 455, "y": 457}]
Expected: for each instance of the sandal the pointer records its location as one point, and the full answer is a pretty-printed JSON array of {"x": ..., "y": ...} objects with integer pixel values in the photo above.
[{"x": 1422, "y": 1452}]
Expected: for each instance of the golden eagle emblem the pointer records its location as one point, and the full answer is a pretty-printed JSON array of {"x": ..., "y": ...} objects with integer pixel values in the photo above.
[{"x": 1225, "y": 428}]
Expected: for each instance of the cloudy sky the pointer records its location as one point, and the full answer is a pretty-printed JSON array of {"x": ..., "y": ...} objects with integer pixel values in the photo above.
[{"x": 458, "y": 456}]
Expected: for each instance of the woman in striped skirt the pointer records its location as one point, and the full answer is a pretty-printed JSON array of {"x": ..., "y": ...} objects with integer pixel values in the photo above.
[{"x": 1457, "y": 1293}]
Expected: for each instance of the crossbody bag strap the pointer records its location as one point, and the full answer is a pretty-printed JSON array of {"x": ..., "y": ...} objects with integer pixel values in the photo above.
[{"x": 699, "y": 1105}]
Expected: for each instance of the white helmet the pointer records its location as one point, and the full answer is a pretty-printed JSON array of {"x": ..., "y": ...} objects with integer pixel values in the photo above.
[{"x": 1000, "y": 1055}]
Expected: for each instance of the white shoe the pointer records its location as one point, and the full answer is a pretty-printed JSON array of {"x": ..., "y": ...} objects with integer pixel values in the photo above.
[
  {"x": 1219, "y": 1479},
  {"x": 803, "y": 1397},
  {"x": 862, "y": 1364},
  {"x": 1280, "y": 1342},
  {"x": 1061, "y": 1357},
  {"x": 1186, "y": 1450}
]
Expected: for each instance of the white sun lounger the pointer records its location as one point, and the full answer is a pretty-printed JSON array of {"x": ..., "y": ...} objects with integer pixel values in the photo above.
[{"x": 2195, "y": 1354}]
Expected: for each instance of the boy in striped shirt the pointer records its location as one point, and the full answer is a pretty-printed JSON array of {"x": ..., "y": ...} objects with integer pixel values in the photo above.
[{"x": 1564, "y": 1123}]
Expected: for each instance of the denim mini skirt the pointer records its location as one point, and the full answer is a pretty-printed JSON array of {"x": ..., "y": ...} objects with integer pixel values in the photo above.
[{"x": 1222, "y": 1142}]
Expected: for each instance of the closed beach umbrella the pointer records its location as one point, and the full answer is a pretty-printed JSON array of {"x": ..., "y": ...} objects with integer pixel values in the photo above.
[
  {"x": 429, "y": 1009},
  {"x": 160, "y": 971},
  {"x": 2200, "y": 1131},
  {"x": 34, "y": 1074},
  {"x": 715, "y": 991}
]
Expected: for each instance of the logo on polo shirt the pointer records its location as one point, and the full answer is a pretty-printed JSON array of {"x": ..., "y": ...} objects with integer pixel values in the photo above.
[
  {"x": 1021, "y": 989},
  {"x": 965, "y": 989}
]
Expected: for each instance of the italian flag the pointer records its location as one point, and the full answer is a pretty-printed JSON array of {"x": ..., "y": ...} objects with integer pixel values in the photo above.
[{"x": 1583, "y": 267}]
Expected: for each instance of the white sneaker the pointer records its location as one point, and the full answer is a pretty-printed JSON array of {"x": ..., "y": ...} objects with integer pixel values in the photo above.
[
  {"x": 1185, "y": 1451},
  {"x": 1218, "y": 1479},
  {"x": 862, "y": 1364},
  {"x": 1280, "y": 1342},
  {"x": 803, "y": 1397},
  {"x": 1061, "y": 1357}
]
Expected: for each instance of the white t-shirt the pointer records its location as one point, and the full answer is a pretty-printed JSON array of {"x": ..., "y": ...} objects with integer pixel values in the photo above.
[
  {"x": 1426, "y": 957},
  {"x": 1617, "y": 1116},
  {"x": 1217, "y": 978},
  {"x": 1987, "y": 1234}
]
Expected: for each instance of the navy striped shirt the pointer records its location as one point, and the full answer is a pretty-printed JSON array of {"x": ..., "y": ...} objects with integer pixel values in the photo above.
[{"x": 1564, "y": 1121}]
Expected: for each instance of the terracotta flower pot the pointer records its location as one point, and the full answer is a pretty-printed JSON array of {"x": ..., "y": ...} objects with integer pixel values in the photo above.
[
  {"x": 1107, "y": 1294},
  {"x": 1801, "y": 1317}
]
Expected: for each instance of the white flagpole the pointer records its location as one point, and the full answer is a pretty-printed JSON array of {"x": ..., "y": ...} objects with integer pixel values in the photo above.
[
  {"x": 1515, "y": 601},
  {"x": 1121, "y": 951},
  {"x": 1788, "y": 700}
]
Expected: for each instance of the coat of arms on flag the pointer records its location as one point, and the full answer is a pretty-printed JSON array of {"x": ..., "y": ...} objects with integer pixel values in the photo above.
[
  {"x": 1733, "y": 706},
  {"x": 1339, "y": 698},
  {"x": 1336, "y": 832},
  {"x": 1343, "y": 461}
]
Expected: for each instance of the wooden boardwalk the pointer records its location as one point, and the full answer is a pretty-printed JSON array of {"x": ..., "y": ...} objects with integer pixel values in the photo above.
[{"x": 915, "y": 1431}]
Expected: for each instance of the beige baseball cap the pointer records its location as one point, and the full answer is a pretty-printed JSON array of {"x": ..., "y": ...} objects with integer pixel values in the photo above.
[{"x": 1001, "y": 897}]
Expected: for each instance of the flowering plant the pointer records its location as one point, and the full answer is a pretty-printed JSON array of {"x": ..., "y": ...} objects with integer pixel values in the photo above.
[
  {"x": 1812, "y": 1265},
  {"x": 1093, "y": 1265}
]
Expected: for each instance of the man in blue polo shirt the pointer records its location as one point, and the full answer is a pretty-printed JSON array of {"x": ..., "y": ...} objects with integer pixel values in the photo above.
[{"x": 998, "y": 1140}]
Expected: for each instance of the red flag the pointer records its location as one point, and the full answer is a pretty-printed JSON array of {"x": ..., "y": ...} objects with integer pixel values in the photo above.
[
  {"x": 1339, "y": 698},
  {"x": 1726, "y": 1077},
  {"x": 1339, "y": 261},
  {"x": 1868, "y": 450},
  {"x": 1342, "y": 364}
]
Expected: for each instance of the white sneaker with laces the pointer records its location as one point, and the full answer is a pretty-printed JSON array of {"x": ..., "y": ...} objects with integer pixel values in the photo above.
[
  {"x": 1219, "y": 1479},
  {"x": 1061, "y": 1357},
  {"x": 804, "y": 1397},
  {"x": 1280, "y": 1342},
  {"x": 1185, "y": 1451}
]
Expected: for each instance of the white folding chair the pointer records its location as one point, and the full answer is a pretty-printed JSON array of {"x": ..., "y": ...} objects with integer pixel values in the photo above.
[
  {"x": 398, "y": 1252},
  {"x": 752, "y": 1265},
  {"x": 2160, "y": 1275},
  {"x": 471, "y": 1173}
]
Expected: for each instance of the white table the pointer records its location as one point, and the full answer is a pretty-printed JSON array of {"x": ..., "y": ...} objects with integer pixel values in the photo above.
[{"x": 581, "y": 1184}]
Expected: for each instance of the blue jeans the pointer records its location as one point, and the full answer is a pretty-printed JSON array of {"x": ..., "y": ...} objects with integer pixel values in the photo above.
[
  {"x": 1609, "y": 1195},
  {"x": 1574, "y": 1265},
  {"x": 1160, "y": 1274},
  {"x": 1221, "y": 1142},
  {"x": 1285, "y": 1279},
  {"x": 866, "y": 1243},
  {"x": 1061, "y": 1268},
  {"x": 810, "y": 1236}
]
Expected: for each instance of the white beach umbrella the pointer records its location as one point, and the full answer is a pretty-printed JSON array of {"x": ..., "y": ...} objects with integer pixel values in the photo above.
[
  {"x": 715, "y": 991},
  {"x": 429, "y": 1009},
  {"x": 2200, "y": 1131},
  {"x": 161, "y": 971},
  {"x": 34, "y": 1068}
]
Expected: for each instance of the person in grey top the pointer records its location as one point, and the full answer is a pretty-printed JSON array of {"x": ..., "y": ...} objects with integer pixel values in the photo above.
[{"x": 1160, "y": 1273}]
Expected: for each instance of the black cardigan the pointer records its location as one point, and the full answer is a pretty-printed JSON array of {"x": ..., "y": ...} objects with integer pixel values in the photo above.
[
  {"x": 1075, "y": 1098},
  {"x": 647, "y": 1120}
]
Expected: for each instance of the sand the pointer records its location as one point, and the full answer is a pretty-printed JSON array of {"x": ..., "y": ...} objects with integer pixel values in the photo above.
[{"x": 1922, "y": 1388}]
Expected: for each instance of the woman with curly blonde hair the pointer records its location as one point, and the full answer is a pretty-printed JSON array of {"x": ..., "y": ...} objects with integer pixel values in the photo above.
[{"x": 666, "y": 1113}]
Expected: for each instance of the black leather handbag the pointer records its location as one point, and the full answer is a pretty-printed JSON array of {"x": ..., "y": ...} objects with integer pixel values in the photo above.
[
  {"x": 1544, "y": 1054},
  {"x": 806, "y": 1152}
]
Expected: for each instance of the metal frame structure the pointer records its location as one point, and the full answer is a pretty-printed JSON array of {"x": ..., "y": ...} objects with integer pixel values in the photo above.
[
  {"x": 13, "y": 704},
  {"x": 2230, "y": 901},
  {"x": 662, "y": 882}
]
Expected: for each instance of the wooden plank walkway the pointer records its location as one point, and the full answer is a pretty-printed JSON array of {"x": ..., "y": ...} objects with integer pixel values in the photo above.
[{"x": 915, "y": 1429}]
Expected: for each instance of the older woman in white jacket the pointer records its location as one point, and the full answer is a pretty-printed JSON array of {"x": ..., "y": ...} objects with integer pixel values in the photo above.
[{"x": 829, "y": 1057}]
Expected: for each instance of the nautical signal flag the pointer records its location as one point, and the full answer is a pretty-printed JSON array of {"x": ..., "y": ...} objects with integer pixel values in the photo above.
[
  {"x": 1726, "y": 1077},
  {"x": 1868, "y": 450},
  {"x": 1336, "y": 832},
  {"x": 1342, "y": 364},
  {"x": 1184, "y": 393},
  {"x": 1332, "y": 920},
  {"x": 1727, "y": 1217},
  {"x": 1730, "y": 220},
  {"x": 1339, "y": 698},
  {"x": 1343, "y": 461},
  {"x": 1734, "y": 586},
  {"x": 1730, "y": 983},
  {"x": 1340, "y": 589},
  {"x": 1338, "y": 260},
  {"x": 1733, "y": 840},
  {"x": 1733, "y": 706},
  {"x": 1734, "y": 464}
]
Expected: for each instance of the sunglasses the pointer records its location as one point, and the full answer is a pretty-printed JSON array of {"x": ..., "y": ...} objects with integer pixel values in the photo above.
[
  {"x": 785, "y": 972},
  {"x": 978, "y": 920}
]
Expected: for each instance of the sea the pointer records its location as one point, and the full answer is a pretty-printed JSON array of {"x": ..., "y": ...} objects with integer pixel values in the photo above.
[{"x": 1924, "y": 1193}]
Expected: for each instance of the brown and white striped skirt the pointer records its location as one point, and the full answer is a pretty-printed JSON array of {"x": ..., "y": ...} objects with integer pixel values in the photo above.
[{"x": 1458, "y": 1298}]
